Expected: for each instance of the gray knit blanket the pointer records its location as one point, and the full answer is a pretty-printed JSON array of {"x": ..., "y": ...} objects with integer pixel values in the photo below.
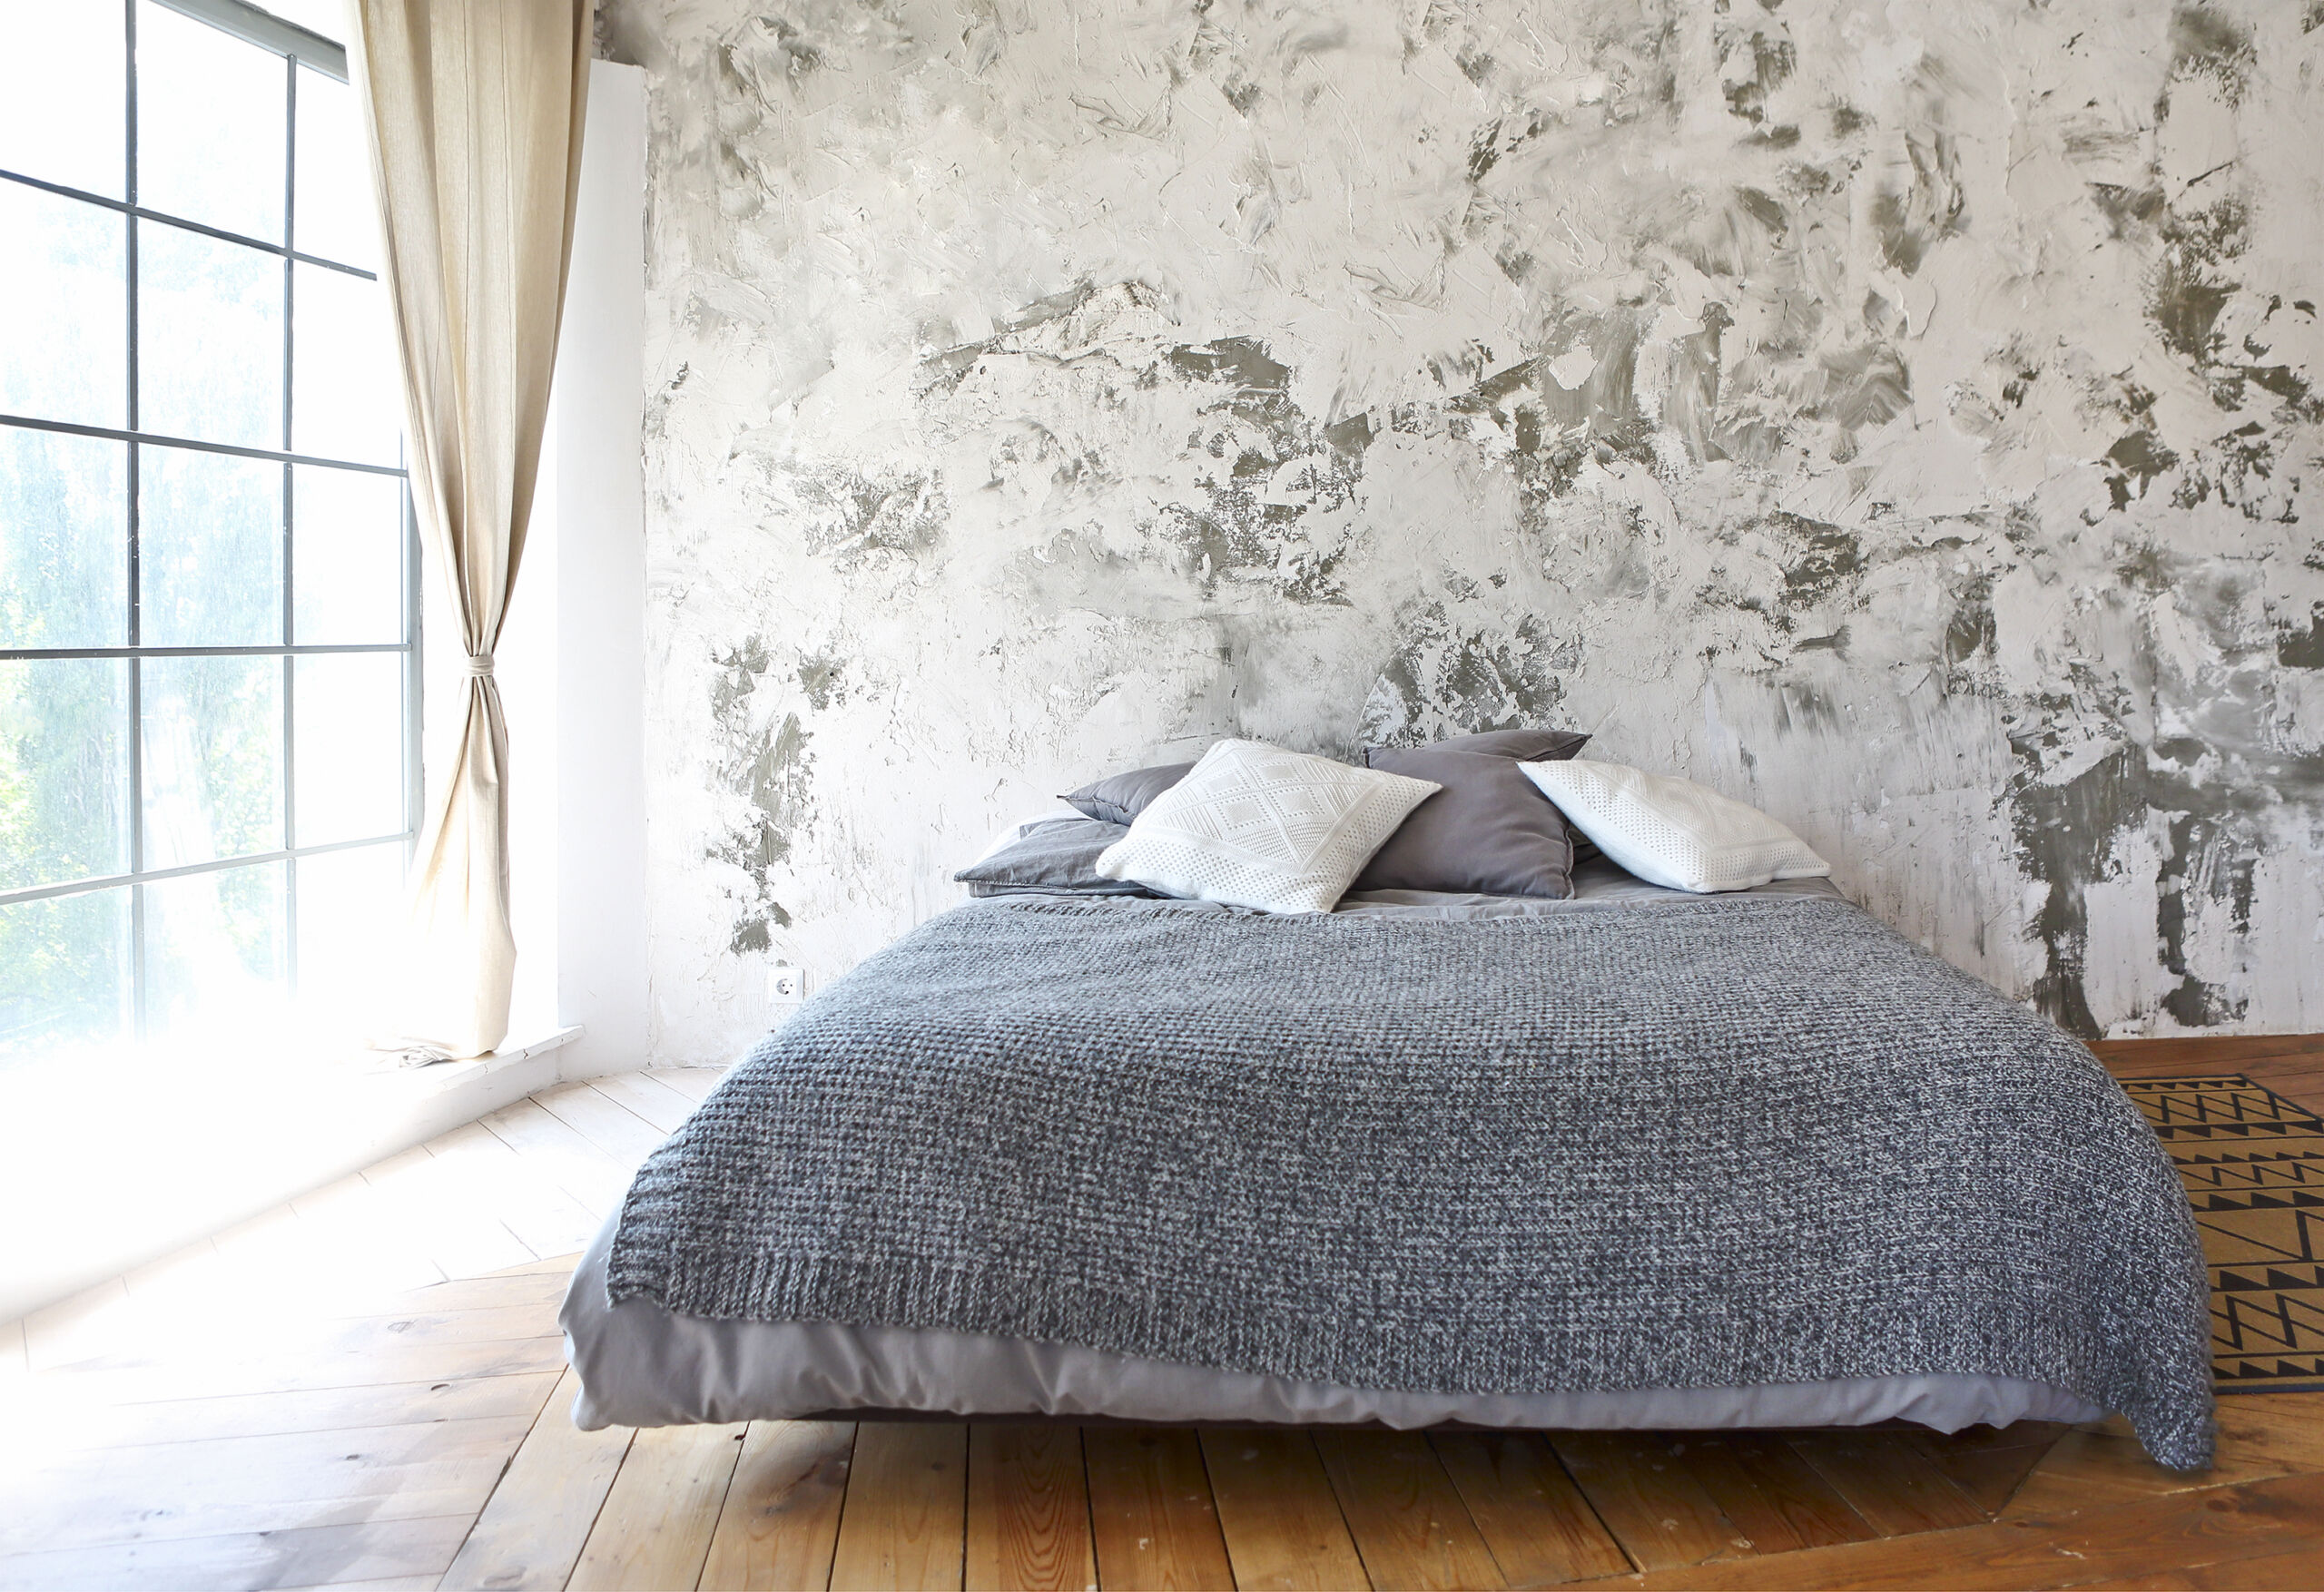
[{"x": 1737, "y": 1142}]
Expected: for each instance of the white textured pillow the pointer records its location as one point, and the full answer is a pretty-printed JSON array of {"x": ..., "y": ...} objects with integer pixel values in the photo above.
[
  {"x": 1253, "y": 825},
  {"x": 1674, "y": 833}
]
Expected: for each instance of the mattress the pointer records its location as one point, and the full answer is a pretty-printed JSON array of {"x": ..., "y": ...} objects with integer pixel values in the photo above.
[{"x": 643, "y": 1364}]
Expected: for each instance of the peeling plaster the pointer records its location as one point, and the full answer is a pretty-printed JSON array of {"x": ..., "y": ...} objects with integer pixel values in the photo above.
[{"x": 1900, "y": 417}]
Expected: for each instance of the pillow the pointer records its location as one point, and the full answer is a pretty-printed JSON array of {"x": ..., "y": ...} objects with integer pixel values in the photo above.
[
  {"x": 1524, "y": 745},
  {"x": 1488, "y": 833},
  {"x": 1120, "y": 797},
  {"x": 1674, "y": 833},
  {"x": 1054, "y": 854},
  {"x": 1253, "y": 825}
]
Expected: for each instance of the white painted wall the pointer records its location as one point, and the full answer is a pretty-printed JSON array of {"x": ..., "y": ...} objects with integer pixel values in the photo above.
[{"x": 572, "y": 665}]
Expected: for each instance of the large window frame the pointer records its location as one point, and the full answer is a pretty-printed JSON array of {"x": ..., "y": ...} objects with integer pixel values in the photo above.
[{"x": 299, "y": 49}]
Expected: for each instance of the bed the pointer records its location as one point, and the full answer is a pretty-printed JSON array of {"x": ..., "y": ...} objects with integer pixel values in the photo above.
[{"x": 1635, "y": 1158}]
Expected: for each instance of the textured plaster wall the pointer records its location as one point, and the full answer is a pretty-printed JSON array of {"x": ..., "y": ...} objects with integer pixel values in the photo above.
[{"x": 1901, "y": 417}]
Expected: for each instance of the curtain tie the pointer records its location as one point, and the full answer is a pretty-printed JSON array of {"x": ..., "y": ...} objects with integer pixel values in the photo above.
[{"x": 480, "y": 665}]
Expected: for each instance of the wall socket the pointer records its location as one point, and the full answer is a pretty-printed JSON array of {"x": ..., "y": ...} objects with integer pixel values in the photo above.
[{"x": 786, "y": 986}]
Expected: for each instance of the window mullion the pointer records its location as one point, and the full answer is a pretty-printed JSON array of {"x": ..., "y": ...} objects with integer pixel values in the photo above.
[
  {"x": 136, "y": 814},
  {"x": 290, "y": 575}
]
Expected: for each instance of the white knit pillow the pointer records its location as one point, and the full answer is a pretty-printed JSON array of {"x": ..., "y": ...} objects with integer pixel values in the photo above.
[
  {"x": 1674, "y": 833},
  {"x": 1253, "y": 825}
]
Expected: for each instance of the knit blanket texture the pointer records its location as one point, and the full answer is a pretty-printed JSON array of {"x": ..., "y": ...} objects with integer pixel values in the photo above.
[{"x": 1734, "y": 1142}]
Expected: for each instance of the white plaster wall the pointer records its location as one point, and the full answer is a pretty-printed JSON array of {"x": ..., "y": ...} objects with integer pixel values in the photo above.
[{"x": 1898, "y": 416}]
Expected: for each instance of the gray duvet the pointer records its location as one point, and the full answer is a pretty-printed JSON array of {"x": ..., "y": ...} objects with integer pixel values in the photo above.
[{"x": 1755, "y": 1153}]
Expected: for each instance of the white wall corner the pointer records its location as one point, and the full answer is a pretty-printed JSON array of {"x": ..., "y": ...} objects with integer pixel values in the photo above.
[{"x": 573, "y": 664}]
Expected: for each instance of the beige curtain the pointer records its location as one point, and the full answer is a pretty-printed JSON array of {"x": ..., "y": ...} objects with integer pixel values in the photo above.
[{"x": 475, "y": 111}]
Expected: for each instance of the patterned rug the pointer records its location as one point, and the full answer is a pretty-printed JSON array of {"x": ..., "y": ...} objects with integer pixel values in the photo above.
[{"x": 2253, "y": 1164}]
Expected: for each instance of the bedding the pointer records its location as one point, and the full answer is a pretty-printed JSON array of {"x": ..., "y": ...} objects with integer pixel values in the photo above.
[
  {"x": 1672, "y": 831},
  {"x": 1049, "y": 855},
  {"x": 642, "y": 1365},
  {"x": 1120, "y": 797},
  {"x": 1751, "y": 1152},
  {"x": 1488, "y": 831},
  {"x": 1254, "y": 825}
]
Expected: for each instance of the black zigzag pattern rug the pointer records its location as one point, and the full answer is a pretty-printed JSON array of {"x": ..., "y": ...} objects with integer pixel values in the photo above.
[{"x": 2253, "y": 1164}]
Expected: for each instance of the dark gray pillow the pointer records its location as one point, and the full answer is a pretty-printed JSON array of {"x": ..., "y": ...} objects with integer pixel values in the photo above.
[
  {"x": 1490, "y": 831},
  {"x": 1120, "y": 797},
  {"x": 1056, "y": 854}
]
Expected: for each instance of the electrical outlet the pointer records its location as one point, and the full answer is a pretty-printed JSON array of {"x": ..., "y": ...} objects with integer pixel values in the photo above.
[{"x": 786, "y": 986}]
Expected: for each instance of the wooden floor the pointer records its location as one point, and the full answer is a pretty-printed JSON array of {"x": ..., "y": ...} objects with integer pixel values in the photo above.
[{"x": 366, "y": 1387}]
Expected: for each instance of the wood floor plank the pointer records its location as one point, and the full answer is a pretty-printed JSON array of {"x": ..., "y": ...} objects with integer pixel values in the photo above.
[
  {"x": 1658, "y": 1512},
  {"x": 562, "y": 1264},
  {"x": 372, "y": 1367},
  {"x": 595, "y": 1180},
  {"x": 645, "y": 1094},
  {"x": 248, "y": 1561},
  {"x": 2286, "y": 1428},
  {"x": 500, "y": 1291},
  {"x": 1774, "y": 1498},
  {"x": 532, "y": 1529},
  {"x": 220, "y": 1486},
  {"x": 2298, "y": 1571},
  {"x": 1540, "y": 1528},
  {"x": 2199, "y": 1053},
  {"x": 603, "y": 1121},
  {"x": 1277, "y": 1512},
  {"x": 693, "y": 1081},
  {"x": 907, "y": 1492},
  {"x": 431, "y": 1205},
  {"x": 412, "y": 1493},
  {"x": 780, "y": 1525},
  {"x": 325, "y": 1410},
  {"x": 1150, "y": 1512},
  {"x": 1988, "y": 1464},
  {"x": 1409, "y": 1523},
  {"x": 2190, "y": 1530},
  {"x": 654, "y": 1532},
  {"x": 2084, "y": 1467},
  {"x": 1027, "y": 1510},
  {"x": 519, "y": 1193},
  {"x": 1887, "y": 1480}
]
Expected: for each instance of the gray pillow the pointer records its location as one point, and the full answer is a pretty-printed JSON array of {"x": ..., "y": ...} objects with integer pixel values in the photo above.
[
  {"x": 1056, "y": 854},
  {"x": 1120, "y": 797},
  {"x": 1479, "y": 835}
]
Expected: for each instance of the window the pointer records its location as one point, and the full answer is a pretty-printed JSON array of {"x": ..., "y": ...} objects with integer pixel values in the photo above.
[{"x": 208, "y": 629}]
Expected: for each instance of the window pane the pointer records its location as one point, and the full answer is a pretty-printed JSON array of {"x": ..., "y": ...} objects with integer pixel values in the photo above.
[
  {"x": 64, "y": 771},
  {"x": 349, "y": 712},
  {"x": 213, "y": 949},
  {"x": 61, "y": 84},
  {"x": 349, "y": 397},
  {"x": 65, "y": 979},
  {"x": 334, "y": 217},
  {"x": 214, "y": 758},
  {"x": 63, "y": 540},
  {"x": 63, "y": 307},
  {"x": 347, "y": 556},
  {"x": 210, "y": 550},
  {"x": 210, "y": 338},
  {"x": 209, "y": 135},
  {"x": 350, "y": 904}
]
